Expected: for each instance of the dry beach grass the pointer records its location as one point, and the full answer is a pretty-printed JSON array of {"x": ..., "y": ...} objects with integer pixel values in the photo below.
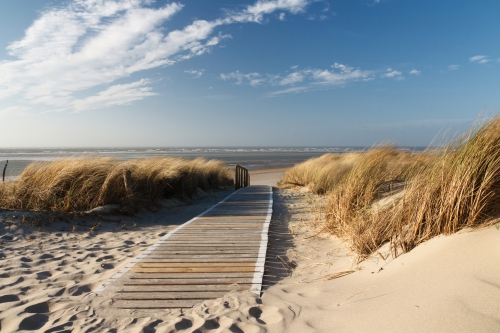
[
  {"x": 80, "y": 184},
  {"x": 440, "y": 192}
]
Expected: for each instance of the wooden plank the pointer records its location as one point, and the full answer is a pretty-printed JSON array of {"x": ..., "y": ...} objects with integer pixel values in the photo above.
[
  {"x": 211, "y": 241},
  {"x": 234, "y": 269},
  {"x": 187, "y": 282},
  {"x": 220, "y": 245},
  {"x": 211, "y": 251},
  {"x": 242, "y": 236},
  {"x": 199, "y": 260},
  {"x": 184, "y": 288},
  {"x": 239, "y": 239},
  {"x": 155, "y": 255},
  {"x": 194, "y": 265},
  {"x": 215, "y": 217},
  {"x": 155, "y": 304},
  {"x": 215, "y": 227},
  {"x": 207, "y": 275},
  {"x": 170, "y": 295}
]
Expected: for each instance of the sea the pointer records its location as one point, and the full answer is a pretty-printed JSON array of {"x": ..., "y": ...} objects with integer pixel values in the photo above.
[{"x": 251, "y": 158}]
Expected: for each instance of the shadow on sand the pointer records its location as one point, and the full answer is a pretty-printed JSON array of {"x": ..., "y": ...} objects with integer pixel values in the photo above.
[{"x": 278, "y": 265}]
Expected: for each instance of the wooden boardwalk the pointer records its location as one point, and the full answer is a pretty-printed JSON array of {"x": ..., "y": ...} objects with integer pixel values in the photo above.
[{"x": 221, "y": 250}]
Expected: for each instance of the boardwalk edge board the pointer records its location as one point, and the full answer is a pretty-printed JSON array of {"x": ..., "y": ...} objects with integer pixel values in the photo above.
[
  {"x": 161, "y": 240},
  {"x": 257, "y": 279}
]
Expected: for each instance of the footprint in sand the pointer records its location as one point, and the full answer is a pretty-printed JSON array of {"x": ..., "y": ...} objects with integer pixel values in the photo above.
[
  {"x": 266, "y": 314},
  {"x": 184, "y": 324},
  {"x": 8, "y": 298},
  {"x": 33, "y": 322},
  {"x": 110, "y": 257},
  {"x": 78, "y": 290},
  {"x": 42, "y": 307},
  {"x": 211, "y": 324},
  {"x": 43, "y": 275}
]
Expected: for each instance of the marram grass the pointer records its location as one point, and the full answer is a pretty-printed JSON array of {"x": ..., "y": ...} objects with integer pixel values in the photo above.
[
  {"x": 444, "y": 191},
  {"x": 80, "y": 184}
]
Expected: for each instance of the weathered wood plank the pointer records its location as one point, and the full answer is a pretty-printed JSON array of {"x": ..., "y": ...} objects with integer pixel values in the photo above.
[
  {"x": 234, "y": 269},
  {"x": 174, "y": 295},
  {"x": 200, "y": 260},
  {"x": 211, "y": 251},
  {"x": 194, "y": 265},
  {"x": 221, "y": 245},
  {"x": 178, "y": 282},
  {"x": 155, "y": 304},
  {"x": 183, "y": 288},
  {"x": 210, "y": 241},
  {"x": 207, "y": 275},
  {"x": 201, "y": 256}
]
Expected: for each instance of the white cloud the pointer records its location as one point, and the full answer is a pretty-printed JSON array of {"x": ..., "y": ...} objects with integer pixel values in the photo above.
[
  {"x": 254, "y": 79},
  {"x": 453, "y": 67},
  {"x": 256, "y": 12},
  {"x": 287, "y": 91},
  {"x": 281, "y": 16},
  {"x": 292, "y": 78},
  {"x": 92, "y": 43},
  {"x": 335, "y": 77},
  {"x": 340, "y": 74},
  {"x": 414, "y": 72},
  {"x": 480, "y": 59},
  {"x": 392, "y": 74},
  {"x": 195, "y": 73},
  {"x": 119, "y": 94}
]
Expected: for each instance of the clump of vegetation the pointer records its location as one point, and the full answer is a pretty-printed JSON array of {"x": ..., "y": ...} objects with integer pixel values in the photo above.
[
  {"x": 461, "y": 188},
  {"x": 80, "y": 184},
  {"x": 328, "y": 172},
  {"x": 321, "y": 174},
  {"x": 434, "y": 192}
]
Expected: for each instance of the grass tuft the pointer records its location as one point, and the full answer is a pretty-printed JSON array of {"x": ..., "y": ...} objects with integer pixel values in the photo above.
[
  {"x": 385, "y": 195},
  {"x": 80, "y": 184}
]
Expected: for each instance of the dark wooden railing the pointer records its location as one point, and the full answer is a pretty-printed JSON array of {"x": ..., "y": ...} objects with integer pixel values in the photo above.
[{"x": 241, "y": 177}]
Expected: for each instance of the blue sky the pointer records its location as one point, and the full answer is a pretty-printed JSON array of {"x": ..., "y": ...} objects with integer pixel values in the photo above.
[{"x": 245, "y": 73}]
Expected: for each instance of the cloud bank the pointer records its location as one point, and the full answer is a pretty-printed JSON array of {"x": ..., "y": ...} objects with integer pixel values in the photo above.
[
  {"x": 339, "y": 74},
  {"x": 94, "y": 43}
]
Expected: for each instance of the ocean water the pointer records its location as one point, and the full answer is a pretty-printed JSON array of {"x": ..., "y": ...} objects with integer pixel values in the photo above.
[{"x": 249, "y": 157}]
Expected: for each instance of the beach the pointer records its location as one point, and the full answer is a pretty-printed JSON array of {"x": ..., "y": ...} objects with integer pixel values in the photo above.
[{"x": 448, "y": 284}]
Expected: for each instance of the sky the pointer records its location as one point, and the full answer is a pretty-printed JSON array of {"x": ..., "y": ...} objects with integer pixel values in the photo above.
[{"x": 122, "y": 73}]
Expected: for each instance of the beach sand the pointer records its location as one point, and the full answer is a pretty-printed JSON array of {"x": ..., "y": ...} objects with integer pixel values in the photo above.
[{"x": 449, "y": 284}]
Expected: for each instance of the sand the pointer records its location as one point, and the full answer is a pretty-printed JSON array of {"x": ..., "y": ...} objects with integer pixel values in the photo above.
[{"x": 448, "y": 284}]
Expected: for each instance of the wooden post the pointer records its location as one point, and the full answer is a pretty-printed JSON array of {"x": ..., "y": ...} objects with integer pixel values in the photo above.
[
  {"x": 241, "y": 177},
  {"x": 129, "y": 199},
  {"x": 4, "y": 169},
  {"x": 127, "y": 181}
]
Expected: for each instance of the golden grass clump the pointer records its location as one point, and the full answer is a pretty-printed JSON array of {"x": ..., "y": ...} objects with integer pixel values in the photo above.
[
  {"x": 80, "y": 184},
  {"x": 443, "y": 192},
  {"x": 460, "y": 189},
  {"x": 328, "y": 172},
  {"x": 320, "y": 174}
]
